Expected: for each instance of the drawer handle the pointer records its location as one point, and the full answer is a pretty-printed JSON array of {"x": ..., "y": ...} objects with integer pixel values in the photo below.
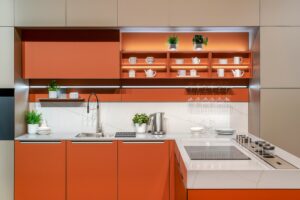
[
  {"x": 87, "y": 142},
  {"x": 40, "y": 142},
  {"x": 146, "y": 142}
]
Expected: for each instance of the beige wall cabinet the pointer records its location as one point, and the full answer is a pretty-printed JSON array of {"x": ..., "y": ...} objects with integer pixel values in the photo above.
[
  {"x": 6, "y": 12},
  {"x": 7, "y": 57},
  {"x": 6, "y": 170},
  {"x": 280, "y": 47},
  {"x": 40, "y": 13},
  {"x": 280, "y": 13},
  {"x": 280, "y": 125},
  {"x": 92, "y": 12},
  {"x": 214, "y": 12},
  {"x": 143, "y": 12}
]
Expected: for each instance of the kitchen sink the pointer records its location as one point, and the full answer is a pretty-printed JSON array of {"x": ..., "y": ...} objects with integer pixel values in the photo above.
[{"x": 90, "y": 135}]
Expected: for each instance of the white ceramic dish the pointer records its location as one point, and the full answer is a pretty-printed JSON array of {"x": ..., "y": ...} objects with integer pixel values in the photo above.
[{"x": 197, "y": 130}]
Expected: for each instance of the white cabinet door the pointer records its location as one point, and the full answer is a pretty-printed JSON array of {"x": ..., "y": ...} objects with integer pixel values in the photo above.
[
  {"x": 280, "y": 57},
  {"x": 6, "y": 57},
  {"x": 40, "y": 13},
  {"x": 143, "y": 12},
  {"x": 92, "y": 12},
  {"x": 280, "y": 13},
  {"x": 214, "y": 12},
  {"x": 280, "y": 125},
  {"x": 6, "y": 12}
]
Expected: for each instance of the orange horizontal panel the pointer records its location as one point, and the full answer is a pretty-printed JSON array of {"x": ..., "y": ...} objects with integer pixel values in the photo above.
[
  {"x": 141, "y": 67},
  {"x": 189, "y": 67}
]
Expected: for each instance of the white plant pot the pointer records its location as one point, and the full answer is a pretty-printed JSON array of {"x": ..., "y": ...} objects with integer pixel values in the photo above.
[
  {"x": 32, "y": 128},
  {"x": 53, "y": 95},
  {"x": 140, "y": 128},
  {"x": 173, "y": 47},
  {"x": 198, "y": 47}
]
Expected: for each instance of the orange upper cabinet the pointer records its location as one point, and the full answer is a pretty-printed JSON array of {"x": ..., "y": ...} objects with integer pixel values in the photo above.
[
  {"x": 92, "y": 170},
  {"x": 92, "y": 13},
  {"x": 71, "y": 54},
  {"x": 214, "y": 12},
  {"x": 40, "y": 170},
  {"x": 143, "y": 170},
  {"x": 43, "y": 13},
  {"x": 143, "y": 12}
]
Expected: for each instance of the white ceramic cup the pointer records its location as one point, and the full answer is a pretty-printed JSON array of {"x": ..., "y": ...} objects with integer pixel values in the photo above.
[
  {"x": 179, "y": 61},
  {"x": 74, "y": 95},
  {"x": 149, "y": 60},
  {"x": 131, "y": 73},
  {"x": 221, "y": 72},
  {"x": 132, "y": 60},
  {"x": 196, "y": 60},
  {"x": 223, "y": 61},
  {"x": 193, "y": 72},
  {"x": 181, "y": 72},
  {"x": 237, "y": 60},
  {"x": 150, "y": 73}
]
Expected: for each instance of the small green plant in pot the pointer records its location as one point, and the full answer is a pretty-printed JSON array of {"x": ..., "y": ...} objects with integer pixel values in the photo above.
[
  {"x": 173, "y": 41},
  {"x": 53, "y": 89},
  {"x": 199, "y": 41},
  {"x": 140, "y": 122},
  {"x": 33, "y": 120}
]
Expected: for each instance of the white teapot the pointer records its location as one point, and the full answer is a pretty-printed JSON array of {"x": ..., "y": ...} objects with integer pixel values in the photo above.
[
  {"x": 150, "y": 73},
  {"x": 238, "y": 73}
]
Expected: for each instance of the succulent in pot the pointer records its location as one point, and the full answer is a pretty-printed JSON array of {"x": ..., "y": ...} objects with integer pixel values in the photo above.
[
  {"x": 53, "y": 89},
  {"x": 140, "y": 122},
  {"x": 33, "y": 120},
  {"x": 199, "y": 41},
  {"x": 173, "y": 41}
]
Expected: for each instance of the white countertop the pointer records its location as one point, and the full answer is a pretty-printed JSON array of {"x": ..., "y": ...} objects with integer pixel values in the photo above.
[{"x": 211, "y": 174}]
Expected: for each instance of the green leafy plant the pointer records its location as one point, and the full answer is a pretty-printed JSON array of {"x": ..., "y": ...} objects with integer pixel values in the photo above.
[
  {"x": 140, "y": 118},
  {"x": 33, "y": 117},
  {"x": 53, "y": 86},
  {"x": 173, "y": 39},
  {"x": 199, "y": 39}
]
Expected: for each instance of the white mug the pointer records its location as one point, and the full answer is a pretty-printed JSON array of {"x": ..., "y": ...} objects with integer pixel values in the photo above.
[
  {"x": 196, "y": 60},
  {"x": 193, "y": 72},
  {"x": 179, "y": 61},
  {"x": 149, "y": 60},
  {"x": 238, "y": 73},
  {"x": 150, "y": 73},
  {"x": 223, "y": 61},
  {"x": 181, "y": 72},
  {"x": 237, "y": 60},
  {"x": 131, "y": 73},
  {"x": 74, "y": 95},
  {"x": 132, "y": 60},
  {"x": 221, "y": 72}
]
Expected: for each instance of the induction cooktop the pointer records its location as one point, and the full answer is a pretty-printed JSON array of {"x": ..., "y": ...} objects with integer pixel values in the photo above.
[{"x": 215, "y": 153}]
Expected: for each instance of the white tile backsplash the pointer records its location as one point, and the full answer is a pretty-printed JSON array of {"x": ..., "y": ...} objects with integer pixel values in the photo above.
[{"x": 117, "y": 116}]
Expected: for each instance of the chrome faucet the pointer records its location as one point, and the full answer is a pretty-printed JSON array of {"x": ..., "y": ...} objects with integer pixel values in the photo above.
[{"x": 98, "y": 128}]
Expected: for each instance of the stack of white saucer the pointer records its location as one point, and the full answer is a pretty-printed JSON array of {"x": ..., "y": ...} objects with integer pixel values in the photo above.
[{"x": 44, "y": 129}]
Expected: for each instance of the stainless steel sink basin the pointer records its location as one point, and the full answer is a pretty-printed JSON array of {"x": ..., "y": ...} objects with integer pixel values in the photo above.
[{"x": 90, "y": 135}]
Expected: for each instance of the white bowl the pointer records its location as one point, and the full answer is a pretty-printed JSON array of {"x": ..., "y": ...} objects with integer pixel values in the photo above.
[{"x": 197, "y": 130}]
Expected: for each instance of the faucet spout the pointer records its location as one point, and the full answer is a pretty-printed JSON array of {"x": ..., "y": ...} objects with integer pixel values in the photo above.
[{"x": 98, "y": 128}]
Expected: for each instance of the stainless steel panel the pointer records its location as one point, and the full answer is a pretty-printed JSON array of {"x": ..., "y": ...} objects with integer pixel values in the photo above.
[{"x": 6, "y": 170}]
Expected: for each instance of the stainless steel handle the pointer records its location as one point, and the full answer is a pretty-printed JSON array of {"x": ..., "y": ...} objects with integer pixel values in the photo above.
[
  {"x": 87, "y": 142},
  {"x": 40, "y": 142},
  {"x": 144, "y": 142}
]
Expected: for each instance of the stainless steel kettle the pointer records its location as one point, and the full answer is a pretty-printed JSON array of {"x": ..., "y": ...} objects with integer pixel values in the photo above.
[{"x": 156, "y": 123}]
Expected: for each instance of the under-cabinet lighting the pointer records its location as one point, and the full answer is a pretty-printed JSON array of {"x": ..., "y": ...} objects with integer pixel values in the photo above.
[
  {"x": 78, "y": 87},
  {"x": 184, "y": 86}
]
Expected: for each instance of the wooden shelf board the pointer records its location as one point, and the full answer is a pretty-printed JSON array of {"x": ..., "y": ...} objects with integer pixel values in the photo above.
[
  {"x": 229, "y": 66},
  {"x": 189, "y": 67},
  {"x": 143, "y": 64},
  {"x": 144, "y": 67}
]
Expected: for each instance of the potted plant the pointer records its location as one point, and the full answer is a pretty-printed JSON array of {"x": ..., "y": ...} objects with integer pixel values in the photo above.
[
  {"x": 198, "y": 41},
  {"x": 140, "y": 122},
  {"x": 173, "y": 41},
  {"x": 53, "y": 90},
  {"x": 33, "y": 119}
]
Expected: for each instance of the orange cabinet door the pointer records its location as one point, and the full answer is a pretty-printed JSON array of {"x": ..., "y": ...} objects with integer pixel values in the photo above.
[
  {"x": 180, "y": 190},
  {"x": 143, "y": 170},
  {"x": 92, "y": 170},
  {"x": 40, "y": 170},
  {"x": 243, "y": 194}
]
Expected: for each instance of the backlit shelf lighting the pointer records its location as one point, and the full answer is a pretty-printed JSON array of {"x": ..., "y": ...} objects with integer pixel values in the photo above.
[
  {"x": 185, "y": 87},
  {"x": 78, "y": 87}
]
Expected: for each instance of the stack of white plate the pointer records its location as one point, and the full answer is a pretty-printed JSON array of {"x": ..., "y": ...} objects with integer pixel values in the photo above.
[
  {"x": 44, "y": 131},
  {"x": 225, "y": 131},
  {"x": 197, "y": 130}
]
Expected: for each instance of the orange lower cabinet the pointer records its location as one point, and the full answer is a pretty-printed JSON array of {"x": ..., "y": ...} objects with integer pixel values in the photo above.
[
  {"x": 40, "y": 170},
  {"x": 143, "y": 170},
  {"x": 92, "y": 170},
  {"x": 180, "y": 190},
  {"x": 243, "y": 194}
]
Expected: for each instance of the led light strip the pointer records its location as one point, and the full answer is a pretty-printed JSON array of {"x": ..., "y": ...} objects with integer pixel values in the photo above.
[
  {"x": 77, "y": 87},
  {"x": 183, "y": 86}
]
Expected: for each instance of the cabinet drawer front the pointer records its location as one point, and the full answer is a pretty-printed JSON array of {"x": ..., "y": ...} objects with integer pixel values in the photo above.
[
  {"x": 143, "y": 170},
  {"x": 40, "y": 170}
]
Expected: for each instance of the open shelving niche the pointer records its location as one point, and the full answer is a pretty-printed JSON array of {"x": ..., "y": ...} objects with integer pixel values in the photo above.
[{"x": 166, "y": 68}]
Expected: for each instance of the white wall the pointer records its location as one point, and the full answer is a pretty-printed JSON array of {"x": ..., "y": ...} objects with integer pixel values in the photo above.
[{"x": 117, "y": 116}]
